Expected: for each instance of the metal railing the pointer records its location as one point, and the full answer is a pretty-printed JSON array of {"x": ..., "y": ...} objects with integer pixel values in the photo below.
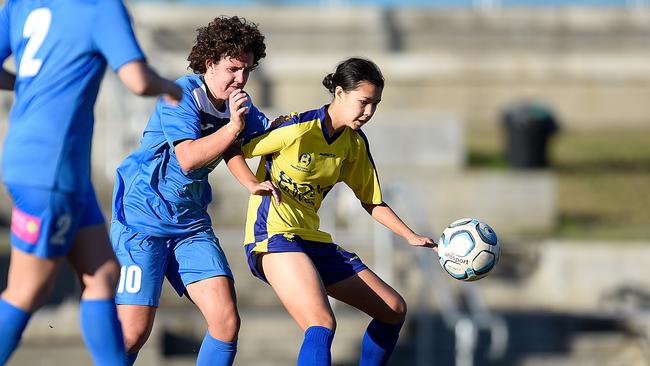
[{"x": 465, "y": 321}]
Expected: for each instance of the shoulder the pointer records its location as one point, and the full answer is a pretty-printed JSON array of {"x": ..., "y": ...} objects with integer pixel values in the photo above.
[
  {"x": 310, "y": 120},
  {"x": 359, "y": 139},
  {"x": 302, "y": 121},
  {"x": 193, "y": 89},
  {"x": 359, "y": 145},
  {"x": 290, "y": 126},
  {"x": 309, "y": 116},
  {"x": 189, "y": 82}
]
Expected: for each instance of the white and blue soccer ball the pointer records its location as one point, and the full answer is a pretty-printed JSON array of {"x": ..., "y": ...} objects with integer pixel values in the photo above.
[{"x": 468, "y": 249}]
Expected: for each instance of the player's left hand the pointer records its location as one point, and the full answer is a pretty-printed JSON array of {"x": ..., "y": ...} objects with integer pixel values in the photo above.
[
  {"x": 423, "y": 241},
  {"x": 267, "y": 188}
]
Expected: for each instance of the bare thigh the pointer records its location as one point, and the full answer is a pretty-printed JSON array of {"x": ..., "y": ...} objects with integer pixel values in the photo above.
[
  {"x": 137, "y": 322},
  {"x": 368, "y": 293},
  {"x": 299, "y": 287},
  {"x": 30, "y": 279},
  {"x": 216, "y": 299},
  {"x": 92, "y": 257}
]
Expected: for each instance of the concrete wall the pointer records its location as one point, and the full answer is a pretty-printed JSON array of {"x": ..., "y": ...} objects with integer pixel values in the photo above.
[
  {"x": 589, "y": 64},
  {"x": 446, "y": 71}
]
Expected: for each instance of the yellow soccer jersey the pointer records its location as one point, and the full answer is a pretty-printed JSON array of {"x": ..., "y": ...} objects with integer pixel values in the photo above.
[{"x": 305, "y": 162}]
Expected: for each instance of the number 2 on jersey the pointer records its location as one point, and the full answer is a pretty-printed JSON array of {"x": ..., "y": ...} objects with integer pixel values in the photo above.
[{"x": 36, "y": 27}]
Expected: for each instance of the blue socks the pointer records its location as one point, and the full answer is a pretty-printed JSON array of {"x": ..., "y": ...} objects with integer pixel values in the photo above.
[
  {"x": 215, "y": 352},
  {"x": 12, "y": 323},
  {"x": 315, "y": 350},
  {"x": 102, "y": 332},
  {"x": 378, "y": 343}
]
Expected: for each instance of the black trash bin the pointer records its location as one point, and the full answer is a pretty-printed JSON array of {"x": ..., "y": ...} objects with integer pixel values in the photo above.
[{"x": 529, "y": 125}]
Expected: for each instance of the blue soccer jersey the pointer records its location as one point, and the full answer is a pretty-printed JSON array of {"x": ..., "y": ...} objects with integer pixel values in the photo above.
[
  {"x": 61, "y": 49},
  {"x": 152, "y": 194}
]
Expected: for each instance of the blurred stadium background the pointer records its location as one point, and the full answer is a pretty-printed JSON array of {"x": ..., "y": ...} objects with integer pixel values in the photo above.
[{"x": 573, "y": 284}]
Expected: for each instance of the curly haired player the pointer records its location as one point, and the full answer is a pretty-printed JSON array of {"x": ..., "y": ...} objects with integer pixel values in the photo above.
[{"x": 160, "y": 226}]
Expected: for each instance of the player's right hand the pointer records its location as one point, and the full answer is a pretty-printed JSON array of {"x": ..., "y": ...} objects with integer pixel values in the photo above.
[
  {"x": 280, "y": 120},
  {"x": 236, "y": 101},
  {"x": 422, "y": 241},
  {"x": 267, "y": 188}
]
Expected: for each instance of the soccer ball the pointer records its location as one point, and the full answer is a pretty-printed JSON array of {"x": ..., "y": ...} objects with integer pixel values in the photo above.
[{"x": 468, "y": 249}]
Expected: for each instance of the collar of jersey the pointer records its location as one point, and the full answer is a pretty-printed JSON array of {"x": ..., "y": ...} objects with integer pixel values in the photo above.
[{"x": 322, "y": 115}]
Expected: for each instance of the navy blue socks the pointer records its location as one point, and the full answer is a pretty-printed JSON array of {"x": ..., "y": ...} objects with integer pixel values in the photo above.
[
  {"x": 315, "y": 350},
  {"x": 378, "y": 343}
]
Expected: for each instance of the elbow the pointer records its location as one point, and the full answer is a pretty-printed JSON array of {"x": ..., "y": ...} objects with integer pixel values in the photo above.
[
  {"x": 139, "y": 90},
  {"x": 142, "y": 88},
  {"x": 184, "y": 155},
  {"x": 369, "y": 207},
  {"x": 184, "y": 162},
  {"x": 186, "y": 166}
]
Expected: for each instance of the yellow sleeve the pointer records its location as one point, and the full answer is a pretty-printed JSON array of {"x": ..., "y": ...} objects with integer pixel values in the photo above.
[
  {"x": 359, "y": 172},
  {"x": 272, "y": 140}
]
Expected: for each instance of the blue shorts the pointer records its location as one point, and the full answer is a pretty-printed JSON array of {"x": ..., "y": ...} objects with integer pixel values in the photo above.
[
  {"x": 146, "y": 260},
  {"x": 333, "y": 263},
  {"x": 44, "y": 222}
]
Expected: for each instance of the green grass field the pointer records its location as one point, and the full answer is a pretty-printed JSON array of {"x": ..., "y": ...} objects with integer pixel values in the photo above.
[{"x": 603, "y": 180}]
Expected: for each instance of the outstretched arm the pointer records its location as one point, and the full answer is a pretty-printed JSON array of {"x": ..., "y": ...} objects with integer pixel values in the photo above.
[
  {"x": 141, "y": 79},
  {"x": 7, "y": 80},
  {"x": 385, "y": 215}
]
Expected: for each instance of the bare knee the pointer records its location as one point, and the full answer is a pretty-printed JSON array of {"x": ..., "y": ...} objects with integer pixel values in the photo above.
[
  {"x": 137, "y": 322},
  {"x": 135, "y": 336},
  {"x": 400, "y": 310},
  {"x": 224, "y": 323},
  {"x": 30, "y": 280},
  {"x": 29, "y": 297},
  {"x": 397, "y": 312},
  {"x": 326, "y": 320}
]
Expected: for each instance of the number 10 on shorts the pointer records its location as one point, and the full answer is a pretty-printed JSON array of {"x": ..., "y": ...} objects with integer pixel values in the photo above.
[{"x": 130, "y": 279}]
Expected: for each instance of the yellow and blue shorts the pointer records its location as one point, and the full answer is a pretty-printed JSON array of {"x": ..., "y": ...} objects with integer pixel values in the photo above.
[{"x": 333, "y": 263}]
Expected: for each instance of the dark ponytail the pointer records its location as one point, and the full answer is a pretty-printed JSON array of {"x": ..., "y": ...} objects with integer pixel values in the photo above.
[{"x": 351, "y": 72}]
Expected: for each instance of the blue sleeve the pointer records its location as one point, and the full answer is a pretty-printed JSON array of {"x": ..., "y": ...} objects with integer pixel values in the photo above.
[
  {"x": 180, "y": 122},
  {"x": 256, "y": 122},
  {"x": 113, "y": 35},
  {"x": 5, "y": 36}
]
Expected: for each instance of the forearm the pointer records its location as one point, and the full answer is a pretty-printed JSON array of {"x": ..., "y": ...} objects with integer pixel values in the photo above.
[
  {"x": 154, "y": 84},
  {"x": 385, "y": 215},
  {"x": 141, "y": 79},
  {"x": 7, "y": 80},
  {"x": 195, "y": 154},
  {"x": 239, "y": 169}
]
